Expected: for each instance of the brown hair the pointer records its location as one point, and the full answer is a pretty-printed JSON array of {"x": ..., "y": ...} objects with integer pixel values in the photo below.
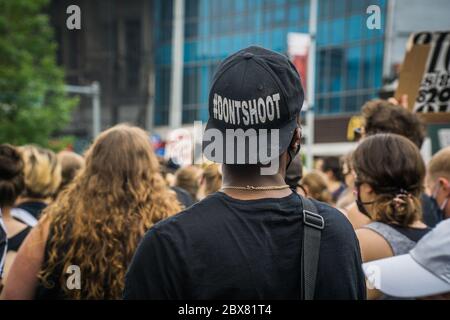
[
  {"x": 187, "y": 178},
  {"x": 71, "y": 163},
  {"x": 333, "y": 164},
  {"x": 346, "y": 160},
  {"x": 98, "y": 220},
  {"x": 11, "y": 175},
  {"x": 42, "y": 172},
  {"x": 440, "y": 164},
  {"x": 392, "y": 165},
  {"x": 317, "y": 187},
  {"x": 381, "y": 116}
]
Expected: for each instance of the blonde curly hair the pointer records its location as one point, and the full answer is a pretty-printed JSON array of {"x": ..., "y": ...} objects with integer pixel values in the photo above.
[{"x": 98, "y": 221}]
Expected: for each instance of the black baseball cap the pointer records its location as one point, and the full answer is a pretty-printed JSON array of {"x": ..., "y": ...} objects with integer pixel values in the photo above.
[{"x": 255, "y": 97}]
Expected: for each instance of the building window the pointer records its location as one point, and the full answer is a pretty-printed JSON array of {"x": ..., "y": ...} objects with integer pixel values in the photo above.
[{"x": 348, "y": 62}]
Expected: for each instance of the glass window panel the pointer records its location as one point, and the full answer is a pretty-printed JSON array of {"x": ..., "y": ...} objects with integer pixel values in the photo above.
[
  {"x": 335, "y": 105},
  {"x": 336, "y": 64},
  {"x": 337, "y": 8},
  {"x": 353, "y": 72},
  {"x": 322, "y": 68},
  {"x": 324, "y": 8},
  {"x": 356, "y": 6},
  {"x": 337, "y": 31},
  {"x": 191, "y": 8},
  {"x": 350, "y": 103},
  {"x": 320, "y": 103},
  {"x": 354, "y": 27},
  {"x": 321, "y": 35},
  {"x": 379, "y": 47},
  {"x": 279, "y": 40},
  {"x": 204, "y": 84},
  {"x": 240, "y": 5},
  {"x": 204, "y": 115}
]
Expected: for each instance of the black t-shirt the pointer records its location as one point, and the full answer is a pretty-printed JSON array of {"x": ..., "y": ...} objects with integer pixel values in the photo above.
[
  {"x": 33, "y": 207},
  {"x": 16, "y": 241},
  {"x": 225, "y": 248},
  {"x": 183, "y": 196}
]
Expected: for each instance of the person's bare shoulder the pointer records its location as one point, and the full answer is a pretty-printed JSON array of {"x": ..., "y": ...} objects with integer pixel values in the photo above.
[
  {"x": 373, "y": 245},
  {"x": 357, "y": 219}
]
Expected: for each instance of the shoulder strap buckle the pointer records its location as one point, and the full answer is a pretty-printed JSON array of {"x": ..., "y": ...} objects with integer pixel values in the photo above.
[{"x": 313, "y": 220}]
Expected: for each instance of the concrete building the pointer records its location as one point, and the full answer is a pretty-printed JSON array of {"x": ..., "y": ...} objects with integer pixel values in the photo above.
[{"x": 113, "y": 47}]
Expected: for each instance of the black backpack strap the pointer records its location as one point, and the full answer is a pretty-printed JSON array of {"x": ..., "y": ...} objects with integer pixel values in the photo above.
[{"x": 313, "y": 224}]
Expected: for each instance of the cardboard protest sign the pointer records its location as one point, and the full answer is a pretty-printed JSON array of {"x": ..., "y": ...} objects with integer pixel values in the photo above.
[{"x": 425, "y": 75}]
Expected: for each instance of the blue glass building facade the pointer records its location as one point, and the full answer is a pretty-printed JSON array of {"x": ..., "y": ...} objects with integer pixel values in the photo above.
[{"x": 349, "y": 57}]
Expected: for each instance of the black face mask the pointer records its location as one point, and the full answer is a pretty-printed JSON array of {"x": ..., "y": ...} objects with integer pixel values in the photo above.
[
  {"x": 435, "y": 208},
  {"x": 361, "y": 204},
  {"x": 292, "y": 155},
  {"x": 439, "y": 209}
]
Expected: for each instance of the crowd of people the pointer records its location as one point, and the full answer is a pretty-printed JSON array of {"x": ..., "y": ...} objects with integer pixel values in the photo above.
[{"x": 141, "y": 227}]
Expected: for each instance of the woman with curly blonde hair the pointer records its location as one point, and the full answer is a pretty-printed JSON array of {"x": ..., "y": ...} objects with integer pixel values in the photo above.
[{"x": 94, "y": 227}]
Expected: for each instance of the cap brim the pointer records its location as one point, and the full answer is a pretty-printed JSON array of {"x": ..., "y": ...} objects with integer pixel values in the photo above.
[
  {"x": 285, "y": 137},
  {"x": 402, "y": 277}
]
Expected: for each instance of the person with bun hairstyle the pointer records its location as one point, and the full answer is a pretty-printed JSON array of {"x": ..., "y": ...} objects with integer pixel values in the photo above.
[
  {"x": 11, "y": 186},
  {"x": 390, "y": 116},
  {"x": 389, "y": 175}
]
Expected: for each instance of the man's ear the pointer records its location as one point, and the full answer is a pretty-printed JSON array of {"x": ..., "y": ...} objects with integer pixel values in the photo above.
[
  {"x": 445, "y": 185},
  {"x": 296, "y": 139}
]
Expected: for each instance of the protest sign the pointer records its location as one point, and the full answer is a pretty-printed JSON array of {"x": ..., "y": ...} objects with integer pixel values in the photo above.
[{"x": 425, "y": 76}]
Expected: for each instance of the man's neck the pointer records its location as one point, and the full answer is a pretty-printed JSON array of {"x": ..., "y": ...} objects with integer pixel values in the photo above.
[
  {"x": 257, "y": 194},
  {"x": 259, "y": 181}
]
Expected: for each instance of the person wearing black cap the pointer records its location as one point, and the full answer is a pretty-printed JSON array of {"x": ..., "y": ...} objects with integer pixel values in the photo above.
[{"x": 255, "y": 238}]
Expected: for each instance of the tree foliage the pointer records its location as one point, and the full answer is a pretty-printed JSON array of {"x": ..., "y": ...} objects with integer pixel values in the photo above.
[{"x": 33, "y": 102}]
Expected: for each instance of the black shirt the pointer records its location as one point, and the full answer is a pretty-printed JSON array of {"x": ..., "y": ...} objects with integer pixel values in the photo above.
[
  {"x": 337, "y": 193},
  {"x": 15, "y": 241},
  {"x": 33, "y": 207},
  {"x": 413, "y": 234},
  {"x": 225, "y": 248},
  {"x": 183, "y": 197}
]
